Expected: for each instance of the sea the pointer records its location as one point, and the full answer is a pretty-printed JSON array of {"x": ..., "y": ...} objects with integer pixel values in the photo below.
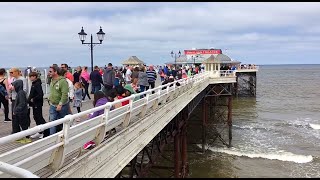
[{"x": 275, "y": 134}]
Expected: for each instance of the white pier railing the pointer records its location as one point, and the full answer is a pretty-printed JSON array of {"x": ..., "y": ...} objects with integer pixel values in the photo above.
[{"x": 54, "y": 150}]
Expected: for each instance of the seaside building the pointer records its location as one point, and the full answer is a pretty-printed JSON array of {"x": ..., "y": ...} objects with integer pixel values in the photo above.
[
  {"x": 198, "y": 56},
  {"x": 133, "y": 60}
]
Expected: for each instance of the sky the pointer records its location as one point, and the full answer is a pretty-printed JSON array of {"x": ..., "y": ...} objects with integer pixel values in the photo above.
[{"x": 42, "y": 33}]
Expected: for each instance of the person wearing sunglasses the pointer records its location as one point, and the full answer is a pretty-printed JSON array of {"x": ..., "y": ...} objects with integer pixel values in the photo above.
[
  {"x": 58, "y": 99},
  {"x": 16, "y": 74},
  {"x": 68, "y": 74}
]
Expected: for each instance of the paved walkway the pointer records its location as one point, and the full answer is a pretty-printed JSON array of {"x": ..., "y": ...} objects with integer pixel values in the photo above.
[{"x": 5, "y": 128}]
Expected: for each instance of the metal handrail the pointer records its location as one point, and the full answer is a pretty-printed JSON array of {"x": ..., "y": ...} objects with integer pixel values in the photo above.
[
  {"x": 67, "y": 120},
  {"x": 16, "y": 171}
]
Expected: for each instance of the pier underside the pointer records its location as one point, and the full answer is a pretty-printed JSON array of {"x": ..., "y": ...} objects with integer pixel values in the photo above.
[
  {"x": 167, "y": 151},
  {"x": 246, "y": 84}
]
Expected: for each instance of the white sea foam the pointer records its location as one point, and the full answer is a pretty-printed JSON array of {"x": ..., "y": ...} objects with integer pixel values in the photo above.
[
  {"x": 280, "y": 155},
  {"x": 314, "y": 126}
]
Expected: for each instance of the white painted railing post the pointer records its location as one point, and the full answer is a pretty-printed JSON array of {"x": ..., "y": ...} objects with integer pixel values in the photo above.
[
  {"x": 145, "y": 106},
  {"x": 59, "y": 155},
  {"x": 45, "y": 82},
  {"x": 156, "y": 101},
  {"x": 167, "y": 94},
  {"x": 127, "y": 118},
  {"x": 174, "y": 89},
  {"x": 101, "y": 131},
  {"x": 66, "y": 129}
]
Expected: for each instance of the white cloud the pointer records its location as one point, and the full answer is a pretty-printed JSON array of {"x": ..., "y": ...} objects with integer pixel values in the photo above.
[{"x": 43, "y": 33}]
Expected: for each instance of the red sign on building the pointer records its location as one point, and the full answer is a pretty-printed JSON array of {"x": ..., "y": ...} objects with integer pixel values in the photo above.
[{"x": 209, "y": 51}]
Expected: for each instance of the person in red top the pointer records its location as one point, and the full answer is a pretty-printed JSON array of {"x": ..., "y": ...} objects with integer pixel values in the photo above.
[
  {"x": 101, "y": 71},
  {"x": 68, "y": 74},
  {"x": 121, "y": 93}
]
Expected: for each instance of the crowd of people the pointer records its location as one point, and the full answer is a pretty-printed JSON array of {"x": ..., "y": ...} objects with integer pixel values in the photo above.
[{"x": 69, "y": 90}]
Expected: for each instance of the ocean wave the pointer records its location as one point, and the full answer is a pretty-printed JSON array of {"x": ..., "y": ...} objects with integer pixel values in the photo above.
[
  {"x": 278, "y": 155},
  {"x": 314, "y": 126},
  {"x": 248, "y": 127}
]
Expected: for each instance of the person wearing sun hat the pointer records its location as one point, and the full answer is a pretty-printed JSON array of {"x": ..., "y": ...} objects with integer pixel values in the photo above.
[{"x": 129, "y": 88}]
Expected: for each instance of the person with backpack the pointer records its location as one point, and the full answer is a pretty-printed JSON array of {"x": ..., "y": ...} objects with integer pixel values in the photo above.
[
  {"x": 4, "y": 96},
  {"x": 20, "y": 111}
]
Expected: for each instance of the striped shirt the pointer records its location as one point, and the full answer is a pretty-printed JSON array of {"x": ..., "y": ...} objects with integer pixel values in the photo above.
[{"x": 152, "y": 75}]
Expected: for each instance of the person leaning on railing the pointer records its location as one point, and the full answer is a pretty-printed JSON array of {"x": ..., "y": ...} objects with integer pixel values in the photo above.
[{"x": 99, "y": 99}]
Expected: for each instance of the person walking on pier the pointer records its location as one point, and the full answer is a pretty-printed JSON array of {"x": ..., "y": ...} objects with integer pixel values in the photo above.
[
  {"x": 143, "y": 79},
  {"x": 152, "y": 77},
  {"x": 58, "y": 98},
  {"x": 108, "y": 78},
  {"x": 4, "y": 96},
  {"x": 20, "y": 111},
  {"x": 35, "y": 100},
  {"x": 85, "y": 79},
  {"x": 68, "y": 74},
  {"x": 78, "y": 93},
  {"x": 96, "y": 79},
  {"x": 16, "y": 74},
  {"x": 76, "y": 75},
  {"x": 128, "y": 74},
  {"x": 63, "y": 73}
]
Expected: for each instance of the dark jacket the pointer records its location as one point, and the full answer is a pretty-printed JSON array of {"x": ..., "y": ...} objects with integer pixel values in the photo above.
[
  {"x": 36, "y": 93},
  {"x": 169, "y": 80},
  {"x": 108, "y": 77},
  {"x": 76, "y": 77},
  {"x": 135, "y": 74},
  {"x": 96, "y": 78},
  {"x": 20, "y": 107}
]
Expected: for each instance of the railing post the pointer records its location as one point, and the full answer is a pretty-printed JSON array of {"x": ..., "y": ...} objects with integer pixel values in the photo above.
[
  {"x": 172, "y": 94},
  {"x": 66, "y": 129},
  {"x": 167, "y": 94},
  {"x": 101, "y": 131},
  {"x": 145, "y": 106},
  {"x": 156, "y": 101},
  {"x": 128, "y": 115},
  {"x": 58, "y": 156},
  {"x": 45, "y": 82}
]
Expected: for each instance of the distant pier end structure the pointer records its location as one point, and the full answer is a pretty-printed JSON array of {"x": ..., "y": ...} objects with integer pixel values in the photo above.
[{"x": 215, "y": 60}]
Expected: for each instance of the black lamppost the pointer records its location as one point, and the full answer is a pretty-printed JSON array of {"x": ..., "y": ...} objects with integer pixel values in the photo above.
[
  {"x": 194, "y": 59},
  {"x": 82, "y": 36},
  {"x": 175, "y": 58}
]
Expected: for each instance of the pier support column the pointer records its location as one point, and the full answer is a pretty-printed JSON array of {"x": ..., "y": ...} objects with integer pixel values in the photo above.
[
  {"x": 184, "y": 158},
  {"x": 204, "y": 124},
  {"x": 133, "y": 166},
  {"x": 177, "y": 167},
  {"x": 229, "y": 120}
]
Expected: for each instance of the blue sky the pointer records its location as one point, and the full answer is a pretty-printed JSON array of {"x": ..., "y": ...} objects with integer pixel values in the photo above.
[{"x": 40, "y": 33}]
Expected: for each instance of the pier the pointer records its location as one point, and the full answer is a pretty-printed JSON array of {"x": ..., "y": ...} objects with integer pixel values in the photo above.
[{"x": 144, "y": 127}]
